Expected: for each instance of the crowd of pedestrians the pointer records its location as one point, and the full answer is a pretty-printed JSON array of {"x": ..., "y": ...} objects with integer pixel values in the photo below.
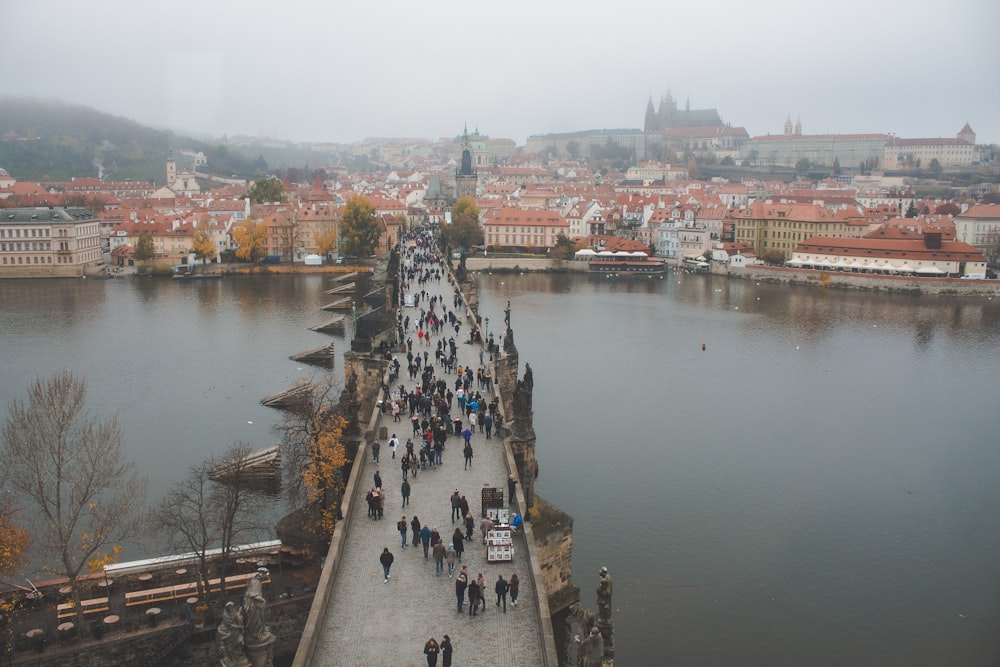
[{"x": 445, "y": 402}]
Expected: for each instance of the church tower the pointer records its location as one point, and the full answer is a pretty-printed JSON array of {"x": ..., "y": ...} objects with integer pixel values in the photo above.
[
  {"x": 798, "y": 126},
  {"x": 788, "y": 124},
  {"x": 171, "y": 171},
  {"x": 466, "y": 178}
]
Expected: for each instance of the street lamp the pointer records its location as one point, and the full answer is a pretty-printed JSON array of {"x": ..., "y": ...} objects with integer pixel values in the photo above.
[{"x": 486, "y": 328}]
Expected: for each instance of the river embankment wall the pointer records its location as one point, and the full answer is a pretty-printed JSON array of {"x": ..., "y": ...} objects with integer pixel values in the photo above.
[{"x": 843, "y": 280}]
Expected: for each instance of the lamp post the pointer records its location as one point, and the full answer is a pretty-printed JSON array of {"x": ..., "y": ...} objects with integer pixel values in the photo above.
[{"x": 486, "y": 328}]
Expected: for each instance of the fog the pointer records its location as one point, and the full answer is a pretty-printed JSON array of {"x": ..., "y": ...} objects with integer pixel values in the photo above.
[{"x": 322, "y": 71}]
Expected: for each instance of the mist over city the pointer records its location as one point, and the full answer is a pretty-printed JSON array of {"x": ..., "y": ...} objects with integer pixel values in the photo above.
[{"x": 305, "y": 71}]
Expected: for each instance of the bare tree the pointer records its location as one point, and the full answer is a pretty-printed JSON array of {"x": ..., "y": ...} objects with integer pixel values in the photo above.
[
  {"x": 69, "y": 465},
  {"x": 199, "y": 514}
]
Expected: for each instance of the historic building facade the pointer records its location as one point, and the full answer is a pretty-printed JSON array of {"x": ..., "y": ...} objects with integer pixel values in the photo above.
[{"x": 47, "y": 242}]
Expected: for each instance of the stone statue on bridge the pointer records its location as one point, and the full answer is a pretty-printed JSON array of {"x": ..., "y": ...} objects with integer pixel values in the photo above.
[
  {"x": 605, "y": 624},
  {"x": 230, "y": 635}
]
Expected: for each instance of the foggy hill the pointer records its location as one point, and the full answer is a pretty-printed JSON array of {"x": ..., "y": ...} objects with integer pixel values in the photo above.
[{"x": 45, "y": 140}]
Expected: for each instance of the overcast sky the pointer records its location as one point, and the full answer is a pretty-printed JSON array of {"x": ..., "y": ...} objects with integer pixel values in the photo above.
[{"x": 324, "y": 70}]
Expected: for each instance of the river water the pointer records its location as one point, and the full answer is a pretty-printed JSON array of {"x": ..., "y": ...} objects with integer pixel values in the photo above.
[{"x": 818, "y": 486}]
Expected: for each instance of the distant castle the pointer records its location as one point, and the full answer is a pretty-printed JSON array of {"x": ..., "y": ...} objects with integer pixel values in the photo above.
[{"x": 668, "y": 116}]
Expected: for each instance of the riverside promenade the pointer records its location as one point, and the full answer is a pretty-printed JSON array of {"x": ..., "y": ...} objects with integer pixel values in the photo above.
[{"x": 371, "y": 622}]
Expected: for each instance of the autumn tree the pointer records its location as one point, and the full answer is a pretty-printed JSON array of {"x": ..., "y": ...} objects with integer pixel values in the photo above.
[
  {"x": 203, "y": 245},
  {"x": 68, "y": 465},
  {"x": 464, "y": 230},
  {"x": 14, "y": 543},
  {"x": 315, "y": 459},
  {"x": 144, "y": 247},
  {"x": 326, "y": 239},
  {"x": 360, "y": 231},
  {"x": 266, "y": 190},
  {"x": 199, "y": 514},
  {"x": 251, "y": 238},
  {"x": 948, "y": 208}
]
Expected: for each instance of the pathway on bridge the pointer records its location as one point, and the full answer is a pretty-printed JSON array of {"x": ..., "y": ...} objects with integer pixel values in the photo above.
[{"x": 370, "y": 622}]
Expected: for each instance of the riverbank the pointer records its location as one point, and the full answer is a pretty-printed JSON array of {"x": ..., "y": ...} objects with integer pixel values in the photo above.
[{"x": 773, "y": 274}]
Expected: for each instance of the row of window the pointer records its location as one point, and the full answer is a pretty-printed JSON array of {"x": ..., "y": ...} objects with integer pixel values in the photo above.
[
  {"x": 16, "y": 233},
  {"x": 26, "y": 246},
  {"x": 28, "y": 260}
]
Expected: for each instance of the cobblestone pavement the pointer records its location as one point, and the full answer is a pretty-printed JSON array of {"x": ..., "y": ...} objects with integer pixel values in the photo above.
[{"x": 371, "y": 622}]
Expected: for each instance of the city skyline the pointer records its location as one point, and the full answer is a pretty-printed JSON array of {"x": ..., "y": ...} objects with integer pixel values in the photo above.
[{"x": 311, "y": 73}]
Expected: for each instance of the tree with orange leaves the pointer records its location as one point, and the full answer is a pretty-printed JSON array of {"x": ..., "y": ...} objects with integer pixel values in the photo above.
[{"x": 315, "y": 459}]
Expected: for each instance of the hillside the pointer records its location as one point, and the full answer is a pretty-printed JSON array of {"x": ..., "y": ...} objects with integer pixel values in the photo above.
[{"x": 43, "y": 140}]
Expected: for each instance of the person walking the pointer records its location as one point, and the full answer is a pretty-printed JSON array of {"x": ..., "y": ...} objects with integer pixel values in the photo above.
[
  {"x": 487, "y": 424},
  {"x": 394, "y": 443},
  {"x": 481, "y": 582},
  {"x": 501, "y": 588},
  {"x": 401, "y": 527},
  {"x": 468, "y": 454},
  {"x": 439, "y": 552},
  {"x": 415, "y": 526},
  {"x": 456, "y": 505},
  {"x": 511, "y": 487},
  {"x": 446, "y": 651},
  {"x": 431, "y": 650},
  {"x": 404, "y": 490},
  {"x": 470, "y": 525},
  {"x": 461, "y": 583},
  {"x": 376, "y": 448},
  {"x": 458, "y": 542},
  {"x": 386, "y": 559},
  {"x": 473, "y": 596},
  {"x": 514, "y": 585},
  {"x": 425, "y": 539},
  {"x": 450, "y": 557},
  {"x": 378, "y": 479}
]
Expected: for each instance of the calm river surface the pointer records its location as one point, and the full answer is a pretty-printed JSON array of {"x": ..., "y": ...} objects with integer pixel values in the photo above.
[{"x": 818, "y": 487}]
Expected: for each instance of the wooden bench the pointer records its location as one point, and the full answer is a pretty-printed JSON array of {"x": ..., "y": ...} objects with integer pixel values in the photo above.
[
  {"x": 183, "y": 591},
  {"x": 92, "y": 606},
  {"x": 233, "y": 583}
]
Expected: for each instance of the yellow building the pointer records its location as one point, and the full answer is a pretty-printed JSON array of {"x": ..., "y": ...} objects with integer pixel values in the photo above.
[{"x": 777, "y": 228}]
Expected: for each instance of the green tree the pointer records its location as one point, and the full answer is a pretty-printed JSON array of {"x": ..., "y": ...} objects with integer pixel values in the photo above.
[
  {"x": 836, "y": 166},
  {"x": 564, "y": 248},
  {"x": 69, "y": 465},
  {"x": 360, "y": 231},
  {"x": 266, "y": 190},
  {"x": 144, "y": 248},
  {"x": 573, "y": 148},
  {"x": 802, "y": 167},
  {"x": 464, "y": 230},
  {"x": 935, "y": 167}
]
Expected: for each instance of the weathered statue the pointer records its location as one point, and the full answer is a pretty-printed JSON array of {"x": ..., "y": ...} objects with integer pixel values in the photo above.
[
  {"x": 604, "y": 587},
  {"x": 230, "y": 635},
  {"x": 255, "y": 628},
  {"x": 506, "y": 316},
  {"x": 591, "y": 649},
  {"x": 584, "y": 617}
]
